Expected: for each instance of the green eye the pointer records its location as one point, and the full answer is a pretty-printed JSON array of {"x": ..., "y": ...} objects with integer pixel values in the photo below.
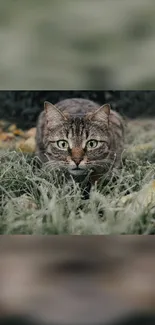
[
  {"x": 62, "y": 144},
  {"x": 91, "y": 144}
]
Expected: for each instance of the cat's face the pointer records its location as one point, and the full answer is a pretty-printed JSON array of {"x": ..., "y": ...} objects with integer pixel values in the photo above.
[{"x": 77, "y": 143}]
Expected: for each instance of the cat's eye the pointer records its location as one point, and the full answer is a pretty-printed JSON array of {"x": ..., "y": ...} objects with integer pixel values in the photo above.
[
  {"x": 92, "y": 144},
  {"x": 62, "y": 144}
]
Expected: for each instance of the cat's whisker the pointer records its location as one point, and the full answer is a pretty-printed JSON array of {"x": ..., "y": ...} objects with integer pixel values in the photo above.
[{"x": 100, "y": 165}]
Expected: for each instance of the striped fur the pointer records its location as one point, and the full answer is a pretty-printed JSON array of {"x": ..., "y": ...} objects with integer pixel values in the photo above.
[{"x": 77, "y": 121}]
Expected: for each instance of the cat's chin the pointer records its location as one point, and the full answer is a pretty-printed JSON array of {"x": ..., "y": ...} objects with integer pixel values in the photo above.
[{"x": 78, "y": 172}]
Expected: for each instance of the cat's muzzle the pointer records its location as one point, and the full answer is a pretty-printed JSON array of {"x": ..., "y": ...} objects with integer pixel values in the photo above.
[{"x": 78, "y": 171}]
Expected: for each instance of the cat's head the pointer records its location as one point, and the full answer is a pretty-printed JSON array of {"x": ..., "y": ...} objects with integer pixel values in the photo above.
[{"x": 79, "y": 143}]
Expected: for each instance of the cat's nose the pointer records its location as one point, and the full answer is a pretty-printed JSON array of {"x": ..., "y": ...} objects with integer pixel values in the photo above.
[
  {"x": 77, "y": 155},
  {"x": 77, "y": 160}
]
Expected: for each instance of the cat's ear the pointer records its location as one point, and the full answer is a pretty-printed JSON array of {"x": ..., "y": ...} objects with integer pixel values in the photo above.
[
  {"x": 101, "y": 113},
  {"x": 53, "y": 115},
  {"x": 106, "y": 109}
]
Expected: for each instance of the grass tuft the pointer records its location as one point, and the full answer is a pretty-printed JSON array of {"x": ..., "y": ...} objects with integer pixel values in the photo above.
[{"x": 39, "y": 200}]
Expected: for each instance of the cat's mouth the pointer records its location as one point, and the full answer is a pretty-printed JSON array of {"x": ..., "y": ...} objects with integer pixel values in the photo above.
[{"x": 78, "y": 171}]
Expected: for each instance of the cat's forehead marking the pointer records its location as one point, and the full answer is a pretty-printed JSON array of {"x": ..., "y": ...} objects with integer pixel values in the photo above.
[{"x": 70, "y": 138}]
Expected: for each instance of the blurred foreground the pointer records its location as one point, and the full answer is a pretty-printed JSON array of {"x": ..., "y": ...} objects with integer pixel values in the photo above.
[{"x": 77, "y": 280}]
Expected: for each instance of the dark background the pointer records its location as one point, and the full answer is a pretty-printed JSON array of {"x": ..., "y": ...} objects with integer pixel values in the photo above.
[{"x": 23, "y": 107}]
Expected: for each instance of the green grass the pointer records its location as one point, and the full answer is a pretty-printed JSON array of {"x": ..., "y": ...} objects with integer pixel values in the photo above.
[{"x": 40, "y": 201}]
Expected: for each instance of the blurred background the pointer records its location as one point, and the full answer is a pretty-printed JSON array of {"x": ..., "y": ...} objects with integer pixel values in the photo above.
[
  {"x": 77, "y": 280},
  {"x": 23, "y": 107},
  {"x": 82, "y": 44}
]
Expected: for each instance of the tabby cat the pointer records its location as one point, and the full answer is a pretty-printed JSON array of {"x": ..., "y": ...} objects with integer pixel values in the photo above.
[{"x": 81, "y": 137}]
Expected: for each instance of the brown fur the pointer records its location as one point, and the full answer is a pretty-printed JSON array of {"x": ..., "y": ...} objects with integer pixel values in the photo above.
[{"x": 78, "y": 121}]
